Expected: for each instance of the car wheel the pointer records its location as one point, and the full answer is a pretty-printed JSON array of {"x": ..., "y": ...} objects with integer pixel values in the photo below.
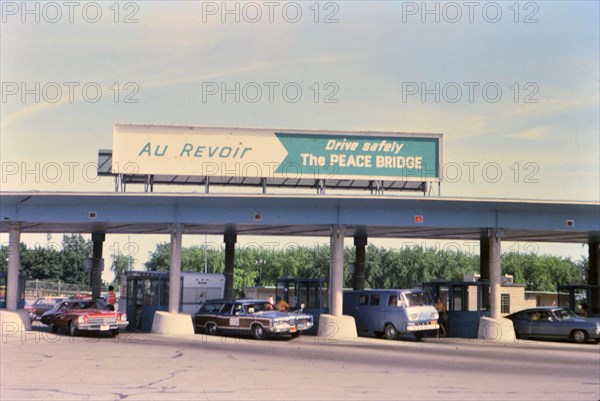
[
  {"x": 390, "y": 332},
  {"x": 259, "y": 332},
  {"x": 73, "y": 331},
  {"x": 579, "y": 336},
  {"x": 211, "y": 329},
  {"x": 52, "y": 327}
]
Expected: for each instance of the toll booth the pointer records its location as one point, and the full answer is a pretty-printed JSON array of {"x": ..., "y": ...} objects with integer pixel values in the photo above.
[
  {"x": 310, "y": 292},
  {"x": 142, "y": 294},
  {"x": 466, "y": 303},
  {"x": 21, "y": 289},
  {"x": 579, "y": 297}
]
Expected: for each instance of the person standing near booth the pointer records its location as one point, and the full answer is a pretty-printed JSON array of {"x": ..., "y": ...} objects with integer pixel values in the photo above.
[
  {"x": 111, "y": 298},
  {"x": 443, "y": 316}
]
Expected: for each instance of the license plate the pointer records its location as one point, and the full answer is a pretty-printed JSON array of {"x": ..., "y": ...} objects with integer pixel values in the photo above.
[
  {"x": 104, "y": 327},
  {"x": 293, "y": 329}
]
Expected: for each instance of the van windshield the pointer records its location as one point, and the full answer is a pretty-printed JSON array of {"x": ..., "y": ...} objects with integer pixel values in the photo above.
[{"x": 416, "y": 299}]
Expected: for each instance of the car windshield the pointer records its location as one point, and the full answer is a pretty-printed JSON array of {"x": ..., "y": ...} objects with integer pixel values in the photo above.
[
  {"x": 416, "y": 298},
  {"x": 259, "y": 307},
  {"x": 565, "y": 314},
  {"x": 88, "y": 305}
]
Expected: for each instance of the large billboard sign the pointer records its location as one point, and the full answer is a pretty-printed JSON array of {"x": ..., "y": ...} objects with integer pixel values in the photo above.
[{"x": 253, "y": 152}]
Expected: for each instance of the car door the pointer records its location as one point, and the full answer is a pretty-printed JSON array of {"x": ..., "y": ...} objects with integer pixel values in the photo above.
[
  {"x": 207, "y": 313},
  {"x": 544, "y": 324},
  {"x": 522, "y": 323},
  {"x": 59, "y": 319},
  {"x": 246, "y": 317},
  {"x": 224, "y": 316},
  {"x": 561, "y": 326}
]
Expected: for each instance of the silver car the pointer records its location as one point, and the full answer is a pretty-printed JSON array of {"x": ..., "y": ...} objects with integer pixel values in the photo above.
[{"x": 554, "y": 322}]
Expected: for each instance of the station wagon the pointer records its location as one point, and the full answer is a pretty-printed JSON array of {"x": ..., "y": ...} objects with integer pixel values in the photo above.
[{"x": 249, "y": 317}]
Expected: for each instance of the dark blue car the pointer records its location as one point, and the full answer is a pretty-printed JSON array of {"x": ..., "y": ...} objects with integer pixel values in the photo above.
[{"x": 555, "y": 323}]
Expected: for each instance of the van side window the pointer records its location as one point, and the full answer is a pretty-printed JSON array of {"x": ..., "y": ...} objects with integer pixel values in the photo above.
[
  {"x": 393, "y": 300},
  {"x": 362, "y": 299},
  {"x": 374, "y": 299}
]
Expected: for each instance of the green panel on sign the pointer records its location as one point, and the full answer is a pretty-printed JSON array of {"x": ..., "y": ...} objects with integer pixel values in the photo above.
[{"x": 330, "y": 156}]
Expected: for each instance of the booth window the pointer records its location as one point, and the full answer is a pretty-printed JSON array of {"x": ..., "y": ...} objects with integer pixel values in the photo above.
[{"x": 505, "y": 303}]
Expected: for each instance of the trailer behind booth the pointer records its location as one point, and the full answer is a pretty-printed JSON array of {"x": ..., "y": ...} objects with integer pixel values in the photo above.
[
  {"x": 143, "y": 293},
  {"x": 199, "y": 288}
]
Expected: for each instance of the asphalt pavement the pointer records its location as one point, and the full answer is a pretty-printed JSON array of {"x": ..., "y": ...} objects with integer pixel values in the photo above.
[{"x": 38, "y": 365}]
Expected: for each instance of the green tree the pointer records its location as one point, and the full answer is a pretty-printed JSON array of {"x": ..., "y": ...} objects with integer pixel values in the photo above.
[
  {"x": 540, "y": 272},
  {"x": 75, "y": 252},
  {"x": 192, "y": 259},
  {"x": 120, "y": 264},
  {"x": 158, "y": 260},
  {"x": 42, "y": 263}
]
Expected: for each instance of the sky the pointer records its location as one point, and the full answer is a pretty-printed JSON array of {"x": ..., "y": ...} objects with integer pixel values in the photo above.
[{"x": 513, "y": 86}]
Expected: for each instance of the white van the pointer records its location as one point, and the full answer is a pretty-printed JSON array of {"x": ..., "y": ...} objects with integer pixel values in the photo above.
[{"x": 389, "y": 313}]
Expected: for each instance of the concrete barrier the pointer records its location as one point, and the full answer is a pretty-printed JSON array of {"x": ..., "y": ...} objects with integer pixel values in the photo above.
[
  {"x": 334, "y": 327},
  {"x": 14, "y": 321},
  {"x": 172, "y": 323},
  {"x": 496, "y": 330}
]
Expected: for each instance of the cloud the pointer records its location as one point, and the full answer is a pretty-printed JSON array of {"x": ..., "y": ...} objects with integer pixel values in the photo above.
[{"x": 539, "y": 133}]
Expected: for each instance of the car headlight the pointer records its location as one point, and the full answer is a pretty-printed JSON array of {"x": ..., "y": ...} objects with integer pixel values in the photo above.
[
  {"x": 123, "y": 317},
  {"x": 81, "y": 319},
  {"x": 435, "y": 315},
  {"x": 413, "y": 316}
]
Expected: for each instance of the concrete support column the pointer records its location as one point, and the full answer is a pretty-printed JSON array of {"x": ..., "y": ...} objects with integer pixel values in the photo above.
[
  {"x": 495, "y": 269},
  {"x": 594, "y": 274},
  {"x": 175, "y": 268},
  {"x": 230, "y": 240},
  {"x": 495, "y": 328},
  {"x": 97, "y": 264},
  {"x": 336, "y": 269},
  {"x": 484, "y": 259},
  {"x": 360, "y": 243},
  {"x": 14, "y": 261}
]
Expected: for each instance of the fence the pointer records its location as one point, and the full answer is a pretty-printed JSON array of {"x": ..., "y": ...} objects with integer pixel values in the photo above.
[{"x": 40, "y": 289}]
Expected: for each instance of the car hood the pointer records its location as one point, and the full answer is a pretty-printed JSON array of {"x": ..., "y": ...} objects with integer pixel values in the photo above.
[
  {"x": 279, "y": 315},
  {"x": 91, "y": 312}
]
